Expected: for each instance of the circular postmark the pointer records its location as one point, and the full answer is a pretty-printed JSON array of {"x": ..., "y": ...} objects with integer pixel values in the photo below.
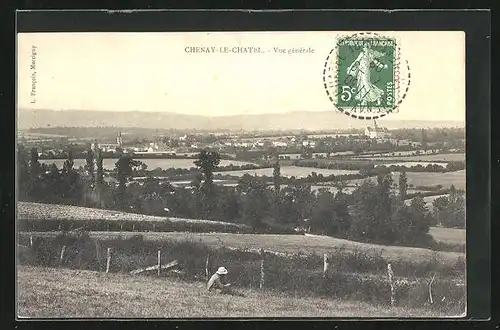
[{"x": 365, "y": 75}]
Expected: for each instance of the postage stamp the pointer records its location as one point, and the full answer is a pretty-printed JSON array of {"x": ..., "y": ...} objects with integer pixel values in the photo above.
[{"x": 362, "y": 75}]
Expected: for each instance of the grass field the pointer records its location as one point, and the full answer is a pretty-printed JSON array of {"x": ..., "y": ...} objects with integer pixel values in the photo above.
[
  {"x": 284, "y": 243},
  {"x": 428, "y": 179},
  {"x": 453, "y": 157},
  {"x": 289, "y": 171},
  {"x": 49, "y": 293},
  {"x": 42, "y": 216},
  {"x": 448, "y": 235}
]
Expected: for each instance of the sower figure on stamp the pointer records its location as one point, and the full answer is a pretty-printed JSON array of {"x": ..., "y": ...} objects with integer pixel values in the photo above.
[
  {"x": 217, "y": 282},
  {"x": 360, "y": 69}
]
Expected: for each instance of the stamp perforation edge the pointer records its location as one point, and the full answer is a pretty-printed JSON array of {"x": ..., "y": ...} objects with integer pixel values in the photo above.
[{"x": 327, "y": 69}]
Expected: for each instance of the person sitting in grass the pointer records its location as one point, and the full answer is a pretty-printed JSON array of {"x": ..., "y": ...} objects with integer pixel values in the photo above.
[{"x": 217, "y": 280}]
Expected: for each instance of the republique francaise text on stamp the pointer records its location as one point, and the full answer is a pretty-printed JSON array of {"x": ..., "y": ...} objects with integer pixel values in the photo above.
[{"x": 365, "y": 76}]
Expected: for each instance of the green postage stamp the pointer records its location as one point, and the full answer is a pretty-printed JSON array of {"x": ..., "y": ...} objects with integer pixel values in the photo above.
[{"x": 362, "y": 75}]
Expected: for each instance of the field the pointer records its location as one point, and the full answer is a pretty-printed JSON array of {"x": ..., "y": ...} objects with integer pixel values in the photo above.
[
  {"x": 152, "y": 164},
  {"x": 49, "y": 292},
  {"x": 454, "y": 157},
  {"x": 428, "y": 179},
  {"x": 51, "y": 216},
  {"x": 310, "y": 244},
  {"x": 448, "y": 235},
  {"x": 410, "y": 156},
  {"x": 289, "y": 171}
]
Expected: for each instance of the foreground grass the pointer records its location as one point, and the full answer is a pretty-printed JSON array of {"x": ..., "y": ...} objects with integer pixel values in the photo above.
[
  {"x": 50, "y": 292},
  {"x": 282, "y": 243}
]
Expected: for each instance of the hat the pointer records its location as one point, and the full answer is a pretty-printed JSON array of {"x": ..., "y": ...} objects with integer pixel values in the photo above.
[{"x": 221, "y": 271}]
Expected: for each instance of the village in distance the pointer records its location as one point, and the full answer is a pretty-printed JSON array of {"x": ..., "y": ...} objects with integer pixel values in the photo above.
[{"x": 366, "y": 221}]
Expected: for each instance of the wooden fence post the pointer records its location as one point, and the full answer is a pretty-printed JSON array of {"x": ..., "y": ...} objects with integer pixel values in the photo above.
[
  {"x": 391, "y": 275},
  {"x": 262, "y": 274},
  {"x": 207, "y": 271},
  {"x": 159, "y": 262},
  {"x": 108, "y": 262},
  {"x": 61, "y": 259},
  {"x": 98, "y": 254},
  {"x": 325, "y": 264},
  {"x": 430, "y": 289}
]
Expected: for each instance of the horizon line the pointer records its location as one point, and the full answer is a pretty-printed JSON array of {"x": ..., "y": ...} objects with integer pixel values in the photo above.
[{"x": 388, "y": 117}]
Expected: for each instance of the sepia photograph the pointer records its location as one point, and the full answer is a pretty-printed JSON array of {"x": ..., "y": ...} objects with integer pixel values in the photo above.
[{"x": 241, "y": 174}]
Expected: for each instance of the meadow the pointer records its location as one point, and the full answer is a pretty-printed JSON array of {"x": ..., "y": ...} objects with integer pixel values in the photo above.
[
  {"x": 50, "y": 292},
  {"x": 448, "y": 235},
  {"x": 450, "y": 157},
  {"x": 290, "y": 244},
  {"x": 289, "y": 171},
  {"x": 359, "y": 275},
  {"x": 43, "y": 217},
  {"x": 457, "y": 178},
  {"x": 152, "y": 164}
]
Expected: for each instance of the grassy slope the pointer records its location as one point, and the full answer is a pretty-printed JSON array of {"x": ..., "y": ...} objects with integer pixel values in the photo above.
[
  {"x": 47, "y": 292},
  {"x": 43, "y": 211},
  {"x": 285, "y": 243},
  {"x": 448, "y": 235}
]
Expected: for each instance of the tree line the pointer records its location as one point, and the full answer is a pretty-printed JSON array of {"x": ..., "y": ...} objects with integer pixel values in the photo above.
[{"x": 372, "y": 213}]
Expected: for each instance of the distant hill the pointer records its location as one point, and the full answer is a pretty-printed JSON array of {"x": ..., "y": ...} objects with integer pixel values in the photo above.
[{"x": 323, "y": 120}]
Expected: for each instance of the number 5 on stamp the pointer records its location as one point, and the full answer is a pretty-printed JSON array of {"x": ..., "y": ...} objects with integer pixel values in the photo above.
[{"x": 368, "y": 66}]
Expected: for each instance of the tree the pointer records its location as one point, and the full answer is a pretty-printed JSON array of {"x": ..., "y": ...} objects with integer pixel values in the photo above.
[
  {"x": 424, "y": 140},
  {"x": 23, "y": 170},
  {"x": 255, "y": 200},
  {"x": 124, "y": 168},
  {"x": 71, "y": 179},
  {"x": 411, "y": 224},
  {"x": 450, "y": 211},
  {"x": 372, "y": 211},
  {"x": 207, "y": 162},
  {"x": 277, "y": 176},
  {"x": 89, "y": 166},
  {"x": 99, "y": 168},
  {"x": 35, "y": 171},
  {"x": 323, "y": 217},
  {"x": 403, "y": 185}
]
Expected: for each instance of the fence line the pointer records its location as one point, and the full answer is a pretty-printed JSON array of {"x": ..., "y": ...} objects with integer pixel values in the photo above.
[
  {"x": 207, "y": 270},
  {"x": 262, "y": 273},
  {"x": 108, "y": 262},
  {"x": 393, "y": 281},
  {"x": 61, "y": 258},
  {"x": 325, "y": 264},
  {"x": 391, "y": 274},
  {"x": 159, "y": 262}
]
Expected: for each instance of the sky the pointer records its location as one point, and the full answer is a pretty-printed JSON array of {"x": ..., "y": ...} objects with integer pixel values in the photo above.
[{"x": 153, "y": 72}]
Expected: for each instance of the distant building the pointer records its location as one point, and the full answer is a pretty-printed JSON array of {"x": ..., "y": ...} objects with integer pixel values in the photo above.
[
  {"x": 279, "y": 144},
  {"x": 290, "y": 156},
  {"x": 376, "y": 132},
  {"x": 119, "y": 140}
]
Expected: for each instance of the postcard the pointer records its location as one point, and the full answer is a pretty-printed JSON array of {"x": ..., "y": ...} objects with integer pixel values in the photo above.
[{"x": 241, "y": 174}]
